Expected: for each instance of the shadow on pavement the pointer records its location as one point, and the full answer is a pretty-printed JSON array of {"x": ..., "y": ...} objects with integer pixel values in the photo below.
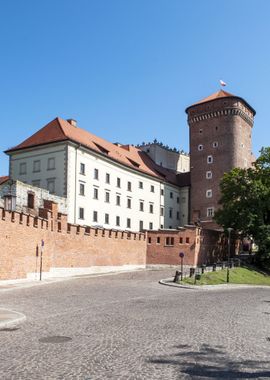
[{"x": 212, "y": 362}]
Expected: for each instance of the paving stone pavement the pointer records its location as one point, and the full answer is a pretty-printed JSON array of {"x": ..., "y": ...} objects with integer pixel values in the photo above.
[{"x": 130, "y": 327}]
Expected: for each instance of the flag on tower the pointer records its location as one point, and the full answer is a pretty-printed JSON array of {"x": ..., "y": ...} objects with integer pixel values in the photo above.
[{"x": 222, "y": 83}]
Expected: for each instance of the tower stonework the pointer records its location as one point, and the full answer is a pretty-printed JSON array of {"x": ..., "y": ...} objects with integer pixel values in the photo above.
[{"x": 220, "y": 128}]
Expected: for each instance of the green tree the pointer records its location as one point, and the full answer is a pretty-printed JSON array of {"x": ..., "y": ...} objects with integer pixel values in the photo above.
[{"x": 245, "y": 202}]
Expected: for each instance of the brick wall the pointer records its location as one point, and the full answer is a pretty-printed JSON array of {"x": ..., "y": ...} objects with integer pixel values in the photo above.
[
  {"x": 199, "y": 246},
  {"x": 66, "y": 246}
]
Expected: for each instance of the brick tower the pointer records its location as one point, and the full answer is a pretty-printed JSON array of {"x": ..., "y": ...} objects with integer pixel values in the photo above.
[{"x": 220, "y": 129}]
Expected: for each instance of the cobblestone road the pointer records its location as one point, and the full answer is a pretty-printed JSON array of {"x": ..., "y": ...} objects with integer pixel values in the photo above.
[{"x": 129, "y": 327}]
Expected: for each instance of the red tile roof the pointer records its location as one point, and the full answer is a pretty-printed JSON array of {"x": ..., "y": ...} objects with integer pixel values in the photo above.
[
  {"x": 3, "y": 179},
  {"x": 219, "y": 95},
  {"x": 61, "y": 130}
]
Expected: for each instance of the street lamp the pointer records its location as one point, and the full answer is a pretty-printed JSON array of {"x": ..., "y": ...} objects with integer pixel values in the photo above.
[{"x": 229, "y": 254}]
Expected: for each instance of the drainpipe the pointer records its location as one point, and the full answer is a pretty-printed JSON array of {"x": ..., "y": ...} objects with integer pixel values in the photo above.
[{"x": 75, "y": 190}]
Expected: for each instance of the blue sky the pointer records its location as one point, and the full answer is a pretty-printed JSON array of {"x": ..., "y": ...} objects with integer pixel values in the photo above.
[{"x": 127, "y": 69}]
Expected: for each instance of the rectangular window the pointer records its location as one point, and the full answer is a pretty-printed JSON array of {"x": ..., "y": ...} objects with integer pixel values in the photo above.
[
  {"x": 96, "y": 174},
  {"x": 152, "y": 189},
  {"x": 141, "y": 205},
  {"x": 151, "y": 208},
  {"x": 177, "y": 215},
  {"x": 208, "y": 193},
  {"x": 129, "y": 186},
  {"x": 161, "y": 192},
  {"x": 36, "y": 183},
  {"x": 36, "y": 166},
  {"x": 107, "y": 179},
  {"x": 107, "y": 196},
  {"x": 82, "y": 168},
  {"x": 209, "y": 159},
  {"x": 81, "y": 213},
  {"x": 158, "y": 240},
  {"x": 161, "y": 211},
  {"x": 140, "y": 185},
  {"x": 51, "y": 163},
  {"x": 141, "y": 225},
  {"x": 118, "y": 182},
  {"x": 150, "y": 225},
  {"x": 171, "y": 194},
  {"x": 170, "y": 213},
  {"x": 169, "y": 241},
  {"x": 208, "y": 175},
  {"x": 82, "y": 187},
  {"x": 30, "y": 200},
  {"x": 180, "y": 240},
  {"x": 128, "y": 202},
  {"x": 95, "y": 193},
  {"x": 210, "y": 211},
  {"x": 23, "y": 168},
  {"x": 128, "y": 223},
  {"x": 118, "y": 221},
  {"x": 149, "y": 240},
  {"x": 51, "y": 185},
  {"x": 106, "y": 221},
  {"x": 177, "y": 200},
  {"x": 187, "y": 240},
  {"x": 118, "y": 200},
  {"x": 95, "y": 216}
]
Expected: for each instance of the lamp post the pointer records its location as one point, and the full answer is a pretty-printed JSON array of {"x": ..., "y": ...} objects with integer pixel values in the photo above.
[{"x": 229, "y": 254}]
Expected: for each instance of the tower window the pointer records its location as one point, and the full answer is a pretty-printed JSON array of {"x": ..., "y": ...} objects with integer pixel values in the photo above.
[
  {"x": 210, "y": 159},
  {"x": 209, "y": 175},
  {"x": 200, "y": 147},
  {"x": 200, "y": 131},
  {"x": 210, "y": 211},
  {"x": 209, "y": 194},
  {"x": 215, "y": 144}
]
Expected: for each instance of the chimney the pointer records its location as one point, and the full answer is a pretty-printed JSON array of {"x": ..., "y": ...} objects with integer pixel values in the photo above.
[{"x": 73, "y": 122}]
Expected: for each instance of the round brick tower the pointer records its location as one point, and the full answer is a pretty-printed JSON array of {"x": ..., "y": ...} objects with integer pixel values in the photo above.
[{"x": 220, "y": 128}]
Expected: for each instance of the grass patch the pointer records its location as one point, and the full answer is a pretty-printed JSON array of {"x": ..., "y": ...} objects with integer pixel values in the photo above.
[{"x": 250, "y": 276}]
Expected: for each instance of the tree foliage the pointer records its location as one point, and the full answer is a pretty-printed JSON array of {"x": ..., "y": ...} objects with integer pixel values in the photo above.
[{"x": 245, "y": 201}]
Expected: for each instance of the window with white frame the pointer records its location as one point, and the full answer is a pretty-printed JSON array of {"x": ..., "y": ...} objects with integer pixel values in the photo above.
[
  {"x": 96, "y": 174},
  {"x": 200, "y": 147},
  {"x": 150, "y": 225},
  {"x": 107, "y": 178},
  {"x": 128, "y": 202},
  {"x": 95, "y": 195},
  {"x": 208, "y": 174},
  {"x": 152, "y": 188},
  {"x": 140, "y": 185},
  {"x": 210, "y": 211},
  {"x": 81, "y": 213},
  {"x": 129, "y": 186},
  {"x": 82, "y": 168},
  {"x": 118, "y": 200},
  {"x": 210, "y": 159},
  {"x": 141, "y": 225},
  {"x": 128, "y": 223},
  {"x": 141, "y": 205},
  {"x": 82, "y": 189},
  {"x": 95, "y": 216},
  {"x": 215, "y": 144},
  {"x": 151, "y": 208},
  {"x": 209, "y": 193},
  {"x": 107, "y": 219},
  {"x": 117, "y": 222},
  {"x": 107, "y": 196}
]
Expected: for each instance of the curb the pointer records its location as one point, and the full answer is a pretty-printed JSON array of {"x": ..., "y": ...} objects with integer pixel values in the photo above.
[
  {"x": 13, "y": 319},
  {"x": 169, "y": 282}
]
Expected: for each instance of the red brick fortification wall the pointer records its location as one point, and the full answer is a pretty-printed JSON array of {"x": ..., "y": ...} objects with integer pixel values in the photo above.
[
  {"x": 66, "y": 246},
  {"x": 198, "y": 245}
]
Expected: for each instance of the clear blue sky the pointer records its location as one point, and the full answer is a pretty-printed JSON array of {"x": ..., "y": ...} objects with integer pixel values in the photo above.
[{"x": 127, "y": 69}]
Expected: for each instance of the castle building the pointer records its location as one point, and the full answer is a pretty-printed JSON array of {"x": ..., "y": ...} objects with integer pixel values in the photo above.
[
  {"x": 148, "y": 187},
  {"x": 105, "y": 184},
  {"x": 220, "y": 139}
]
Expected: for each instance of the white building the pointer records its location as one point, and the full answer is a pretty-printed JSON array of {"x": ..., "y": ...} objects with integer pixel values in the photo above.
[
  {"x": 105, "y": 184},
  {"x": 167, "y": 157}
]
